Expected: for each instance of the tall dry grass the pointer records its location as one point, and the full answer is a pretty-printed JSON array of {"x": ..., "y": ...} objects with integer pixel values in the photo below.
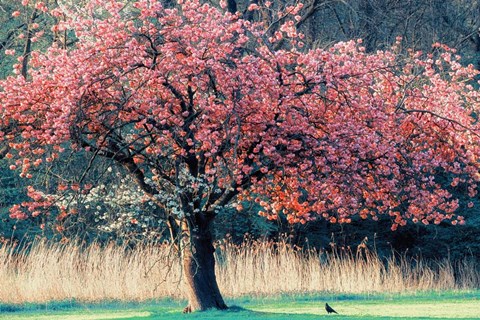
[
  {"x": 54, "y": 271},
  {"x": 266, "y": 268}
]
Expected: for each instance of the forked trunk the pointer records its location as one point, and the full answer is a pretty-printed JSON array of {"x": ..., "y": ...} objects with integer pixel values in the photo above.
[{"x": 199, "y": 270}]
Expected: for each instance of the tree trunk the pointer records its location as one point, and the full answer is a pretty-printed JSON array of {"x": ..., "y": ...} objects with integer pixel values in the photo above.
[{"x": 199, "y": 269}]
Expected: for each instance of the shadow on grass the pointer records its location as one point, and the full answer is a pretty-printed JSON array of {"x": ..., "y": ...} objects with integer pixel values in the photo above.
[
  {"x": 73, "y": 305},
  {"x": 233, "y": 312},
  {"x": 29, "y": 307}
]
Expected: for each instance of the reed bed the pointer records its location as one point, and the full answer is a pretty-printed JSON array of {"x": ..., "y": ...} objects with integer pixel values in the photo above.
[
  {"x": 266, "y": 268},
  {"x": 49, "y": 271}
]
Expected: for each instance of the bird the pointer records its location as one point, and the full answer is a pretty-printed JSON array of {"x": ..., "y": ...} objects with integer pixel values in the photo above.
[{"x": 329, "y": 309}]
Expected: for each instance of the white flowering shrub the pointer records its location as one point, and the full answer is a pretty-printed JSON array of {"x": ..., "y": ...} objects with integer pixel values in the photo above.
[{"x": 119, "y": 208}]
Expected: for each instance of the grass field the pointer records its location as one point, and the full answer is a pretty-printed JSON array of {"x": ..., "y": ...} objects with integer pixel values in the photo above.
[{"x": 450, "y": 305}]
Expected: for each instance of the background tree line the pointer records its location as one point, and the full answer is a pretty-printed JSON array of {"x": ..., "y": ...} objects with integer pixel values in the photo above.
[{"x": 114, "y": 211}]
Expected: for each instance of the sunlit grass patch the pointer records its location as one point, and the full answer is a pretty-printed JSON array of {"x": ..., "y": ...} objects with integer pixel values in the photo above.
[
  {"x": 81, "y": 315},
  {"x": 463, "y": 305},
  {"x": 391, "y": 309}
]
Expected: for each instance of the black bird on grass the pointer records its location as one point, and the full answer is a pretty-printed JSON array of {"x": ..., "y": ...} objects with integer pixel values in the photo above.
[{"x": 329, "y": 309}]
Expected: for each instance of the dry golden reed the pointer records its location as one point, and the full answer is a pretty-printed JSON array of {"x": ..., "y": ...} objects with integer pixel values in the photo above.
[{"x": 54, "y": 271}]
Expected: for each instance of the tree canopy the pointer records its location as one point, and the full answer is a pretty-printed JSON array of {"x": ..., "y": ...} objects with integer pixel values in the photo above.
[{"x": 200, "y": 109}]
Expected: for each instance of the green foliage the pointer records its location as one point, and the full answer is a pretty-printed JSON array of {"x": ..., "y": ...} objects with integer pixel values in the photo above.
[
  {"x": 8, "y": 36},
  {"x": 236, "y": 225},
  {"x": 12, "y": 190}
]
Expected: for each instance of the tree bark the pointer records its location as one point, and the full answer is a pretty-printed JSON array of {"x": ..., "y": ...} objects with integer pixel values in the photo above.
[{"x": 199, "y": 269}]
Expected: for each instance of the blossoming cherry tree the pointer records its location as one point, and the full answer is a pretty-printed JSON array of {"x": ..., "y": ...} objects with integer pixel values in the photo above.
[{"x": 205, "y": 111}]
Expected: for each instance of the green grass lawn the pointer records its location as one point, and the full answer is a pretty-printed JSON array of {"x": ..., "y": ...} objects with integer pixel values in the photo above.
[{"x": 451, "y": 305}]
